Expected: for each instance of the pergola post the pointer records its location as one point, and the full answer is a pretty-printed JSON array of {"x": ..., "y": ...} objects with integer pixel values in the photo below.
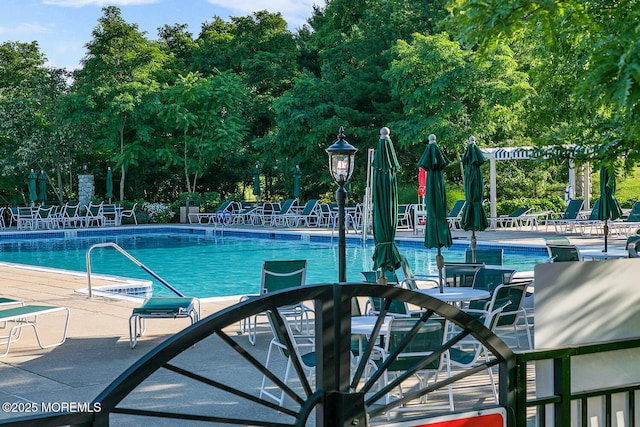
[
  {"x": 572, "y": 180},
  {"x": 493, "y": 192}
]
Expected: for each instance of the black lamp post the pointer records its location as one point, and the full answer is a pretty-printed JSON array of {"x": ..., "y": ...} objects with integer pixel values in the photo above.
[{"x": 341, "y": 156}]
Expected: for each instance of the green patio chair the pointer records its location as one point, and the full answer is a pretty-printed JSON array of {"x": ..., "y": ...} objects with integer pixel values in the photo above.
[
  {"x": 509, "y": 298},
  {"x": 276, "y": 276},
  {"x": 564, "y": 222},
  {"x": 461, "y": 273},
  {"x": 488, "y": 256},
  {"x": 563, "y": 253},
  {"x": 4, "y": 302},
  {"x": 513, "y": 220},
  {"x": 470, "y": 352},
  {"x": 488, "y": 279},
  {"x": 455, "y": 215},
  {"x": 632, "y": 222},
  {"x": 288, "y": 345},
  {"x": 161, "y": 308},
  {"x": 26, "y": 316},
  {"x": 404, "y": 351},
  {"x": 280, "y": 217},
  {"x": 247, "y": 215},
  {"x": 374, "y": 304},
  {"x": 557, "y": 240},
  {"x": 592, "y": 222},
  {"x": 632, "y": 246},
  {"x": 308, "y": 217},
  {"x": 414, "y": 282}
]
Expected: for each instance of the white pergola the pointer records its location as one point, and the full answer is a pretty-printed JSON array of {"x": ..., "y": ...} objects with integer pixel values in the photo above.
[
  {"x": 527, "y": 153},
  {"x": 493, "y": 155}
]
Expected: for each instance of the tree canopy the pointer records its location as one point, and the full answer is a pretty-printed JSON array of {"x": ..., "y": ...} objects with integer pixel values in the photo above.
[{"x": 186, "y": 113}]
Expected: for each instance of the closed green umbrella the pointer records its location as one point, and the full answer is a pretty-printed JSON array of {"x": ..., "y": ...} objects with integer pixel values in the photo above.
[
  {"x": 474, "y": 217},
  {"x": 109, "y": 193},
  {"x": 385, "y": 205},
  {"x": 33, "y": 193},
  {"x": 436, "y": 232},
  {"x": 256, "y": 182},
  {"x": 297, "y": 188},
  {"x": 608, "y": 208},
  {"x": 42, "y": 188}
]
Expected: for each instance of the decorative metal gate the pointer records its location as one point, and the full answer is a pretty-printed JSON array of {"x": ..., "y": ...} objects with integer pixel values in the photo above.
[{"x": 356, "y": 382}]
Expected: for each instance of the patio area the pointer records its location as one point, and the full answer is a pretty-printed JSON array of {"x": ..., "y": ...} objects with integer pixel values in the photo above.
[{"x": 97, "y": 347}]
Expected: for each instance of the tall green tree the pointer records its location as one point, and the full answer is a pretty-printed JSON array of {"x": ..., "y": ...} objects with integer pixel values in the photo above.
[
  {"x": 180, "y": 48},
  {"x": 452, "y": 92},
  {"x": 352, "y": 43},
  {"x": 204, "y": 121},
  {"x": 263, "y": 52},
  {"x": 118, "y": 72},
  {"x": 593, "y": 48},
  {"x": 215, "y": 43},
  {"x": 34, "y": 132}
]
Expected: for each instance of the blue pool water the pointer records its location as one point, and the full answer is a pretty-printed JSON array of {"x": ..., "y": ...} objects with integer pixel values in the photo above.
[{"x": 211, "y": 266}]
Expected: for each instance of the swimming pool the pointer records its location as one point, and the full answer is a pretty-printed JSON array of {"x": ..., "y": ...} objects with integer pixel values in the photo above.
[{"x": 200, "y": 263}]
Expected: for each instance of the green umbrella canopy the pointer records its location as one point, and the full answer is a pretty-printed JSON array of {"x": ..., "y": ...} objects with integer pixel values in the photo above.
[
  {"x": 42, "y": 188},
  {"x": 109, "y": 193},
  {"x": 474, "y": 217},
  {"x": 256, "y": 181},
  {"x": 385, "y": 205},
  {"x": 297, "y": 188},
  {"x": 33, "y": 194},
  {"x": 433, "y": 160},
  {"x": 608, "y": 208}
]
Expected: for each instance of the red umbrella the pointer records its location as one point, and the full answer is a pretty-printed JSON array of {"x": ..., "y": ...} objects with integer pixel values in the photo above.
[{"x": 422, "y": 182}]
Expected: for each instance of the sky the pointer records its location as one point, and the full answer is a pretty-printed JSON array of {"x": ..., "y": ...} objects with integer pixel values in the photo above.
[{"x": 62, "y": 28}]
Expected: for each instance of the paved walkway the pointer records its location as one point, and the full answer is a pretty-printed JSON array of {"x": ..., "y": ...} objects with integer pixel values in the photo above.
[{"x": 97, "y": 348}]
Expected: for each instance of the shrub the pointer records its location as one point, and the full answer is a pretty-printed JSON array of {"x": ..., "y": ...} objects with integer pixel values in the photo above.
[
  {"x": 195, "y": 199},
  {"x": 454, "y": 194},
  {"x": 555, "y": 204},
  {"x": 158, "y": 212},
  {"x": 210, "y": 201},
  {"x": 143, "y": 217}
]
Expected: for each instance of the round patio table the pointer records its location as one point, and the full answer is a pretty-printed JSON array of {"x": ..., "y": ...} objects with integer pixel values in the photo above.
[
  {"x": 459, "y": 294},
  {"x": 363, "y": 325},
  {"x": 595, "y": 254}
]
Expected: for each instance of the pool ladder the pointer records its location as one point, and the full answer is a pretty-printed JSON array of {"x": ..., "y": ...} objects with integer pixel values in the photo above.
[{"x": 132, "y": 259}]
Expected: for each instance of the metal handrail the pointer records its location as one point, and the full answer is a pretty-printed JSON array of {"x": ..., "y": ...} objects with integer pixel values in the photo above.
[{"x": 132, "y": 259}]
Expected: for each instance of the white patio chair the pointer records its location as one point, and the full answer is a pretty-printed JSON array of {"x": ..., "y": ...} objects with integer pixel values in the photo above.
[
  {"x": 70, "y": 216},
  {"x": 129, "y": 213},
  {"x": 288, "y": 345},
  {"x": 278, "y": 275},
  {"x": 94, "y": 215},
  {"x": 429, "y": 338},
  {"x": 27, "y": 218},
  {"x": 47, "y": 218}
]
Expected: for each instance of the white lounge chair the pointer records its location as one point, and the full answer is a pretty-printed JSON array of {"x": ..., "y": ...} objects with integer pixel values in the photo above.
[{"x": 24, "y": 316}]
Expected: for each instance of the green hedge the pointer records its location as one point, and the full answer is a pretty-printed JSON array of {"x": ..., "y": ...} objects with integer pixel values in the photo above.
[{"x": 553, "y": 203}]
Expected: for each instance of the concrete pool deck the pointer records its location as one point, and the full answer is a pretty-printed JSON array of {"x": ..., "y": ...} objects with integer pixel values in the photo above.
[{"x": 97, "y": 347}]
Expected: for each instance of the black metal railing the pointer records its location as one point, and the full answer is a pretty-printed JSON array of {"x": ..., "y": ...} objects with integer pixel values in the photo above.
[
  {"x": 339, "y": 385},
  {"x": 558, "y": 405}
]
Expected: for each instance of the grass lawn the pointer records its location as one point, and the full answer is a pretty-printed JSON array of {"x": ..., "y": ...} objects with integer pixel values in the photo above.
[{"x": 627, "y": 188}]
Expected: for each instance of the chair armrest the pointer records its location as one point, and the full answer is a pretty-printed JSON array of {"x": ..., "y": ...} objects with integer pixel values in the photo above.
[
  {"x": 303, "y": 344},
  {"x": 427, "y": 282}
]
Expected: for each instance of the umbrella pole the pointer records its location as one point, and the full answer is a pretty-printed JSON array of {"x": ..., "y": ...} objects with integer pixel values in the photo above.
[
  {"x": 606, "y": 234},
  {"x": 440, "y": 264},
  {"x": 473, "y": 246}
]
